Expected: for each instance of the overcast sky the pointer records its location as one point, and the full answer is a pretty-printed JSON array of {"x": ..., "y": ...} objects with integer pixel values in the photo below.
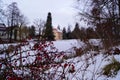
[{"x": 63, "y": 11}]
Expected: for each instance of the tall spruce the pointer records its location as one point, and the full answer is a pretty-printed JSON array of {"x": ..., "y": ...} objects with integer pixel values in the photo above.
[
  {"x": 69, "y": 33},
  {"x": 64, "y": 33},
  {"x": 48, "y": 35},
  {"x": 76, "y": 32}
]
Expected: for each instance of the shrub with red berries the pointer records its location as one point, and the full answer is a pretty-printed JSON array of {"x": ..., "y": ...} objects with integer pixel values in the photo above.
[{"x": 35, "y": 62}]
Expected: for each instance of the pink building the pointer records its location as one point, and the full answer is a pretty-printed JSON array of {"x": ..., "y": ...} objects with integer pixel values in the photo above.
[{"x": 57, "y": 34}]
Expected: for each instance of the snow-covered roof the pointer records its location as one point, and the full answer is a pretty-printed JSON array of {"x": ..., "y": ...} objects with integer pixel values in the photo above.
[
  {"x": 2, "y": 27},
  {"x": 57, "y": 30}
]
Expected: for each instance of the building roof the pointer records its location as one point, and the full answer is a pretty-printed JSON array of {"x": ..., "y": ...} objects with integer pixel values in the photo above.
[
  {"x": 2, "y": 27},
  {"x": 57, "y": 30}
]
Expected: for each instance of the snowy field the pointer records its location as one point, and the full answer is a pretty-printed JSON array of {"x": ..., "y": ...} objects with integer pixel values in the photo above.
[{"x": 86, "y": 67}]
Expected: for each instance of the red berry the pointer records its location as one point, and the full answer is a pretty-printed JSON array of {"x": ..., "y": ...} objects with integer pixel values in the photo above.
[
  {"x": 39, "y": 58},
  {"x": 65, "y": 65}
]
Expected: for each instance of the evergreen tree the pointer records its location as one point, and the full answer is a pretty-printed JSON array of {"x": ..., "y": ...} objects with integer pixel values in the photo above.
[
  {"x": 90, "y": 33},
  {"x": 83, "y": 34},
  {"x": 32, "y": 31},
  {"x": 64, "y": 33},
  {"x": 76, "y": 32},
  {"x": 48, "y": 28},
  {"x": 58, "y": 27},
  {"x": 69, "y": 33}
]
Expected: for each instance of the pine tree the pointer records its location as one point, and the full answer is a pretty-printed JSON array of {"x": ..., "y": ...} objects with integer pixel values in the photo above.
[
  {"x": 64, "y": 33},
  {"x": 76, "y": 32},
  {"x": 90, "y": 33},
  {"x": 69, "y": 33},
  {"x": 58, "y": 27},
  {"x": 48, "y": 35}
]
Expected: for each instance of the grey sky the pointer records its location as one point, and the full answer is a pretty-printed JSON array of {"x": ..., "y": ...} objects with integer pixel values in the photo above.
[{"x": 63, "y": 12}]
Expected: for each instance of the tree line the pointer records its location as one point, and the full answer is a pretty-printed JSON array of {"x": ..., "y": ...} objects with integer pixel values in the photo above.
[
  {"x": 103, "y": 17},
  {"x": 79, "y": 33}
]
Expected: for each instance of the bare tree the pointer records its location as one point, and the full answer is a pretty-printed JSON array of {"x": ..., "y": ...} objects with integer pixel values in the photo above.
[
  {"x": 1, "y": 11},
  {"x": 103, "y": 14},
  {"x": 39, "y": 24},
  {"x": 13, "y": 14},
  {"x": 12, "y": 17},
  {"x": 23, "y": 21},
  {"x": 15, "y": 18}
]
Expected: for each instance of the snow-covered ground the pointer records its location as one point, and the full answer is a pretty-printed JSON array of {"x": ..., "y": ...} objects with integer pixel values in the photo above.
[
  {"x": 87, "y": 66},
  {"x": 65, "y": 45}
]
